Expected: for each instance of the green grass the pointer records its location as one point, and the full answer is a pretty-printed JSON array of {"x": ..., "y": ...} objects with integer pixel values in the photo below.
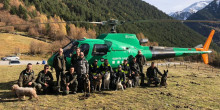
[{"x": 187, "y": 89}]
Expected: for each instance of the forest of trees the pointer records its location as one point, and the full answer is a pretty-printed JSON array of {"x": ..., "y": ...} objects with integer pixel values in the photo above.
[{"x": 166, "y": 34}]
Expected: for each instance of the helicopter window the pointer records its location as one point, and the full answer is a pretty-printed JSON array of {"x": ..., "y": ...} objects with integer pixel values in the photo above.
[
  {"x": 70, "y": 48},
  {"x": 85, "y": 48},
  {"x": 100, "y": 49}
]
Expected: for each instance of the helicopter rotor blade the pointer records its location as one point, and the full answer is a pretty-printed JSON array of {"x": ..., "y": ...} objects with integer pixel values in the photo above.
[
  {"x": 62, "y": 22},
  {"x": 118, "y": 22}
]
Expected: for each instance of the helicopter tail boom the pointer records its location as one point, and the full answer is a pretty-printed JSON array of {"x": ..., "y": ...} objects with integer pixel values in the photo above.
[{"x": 206, "y": 47}]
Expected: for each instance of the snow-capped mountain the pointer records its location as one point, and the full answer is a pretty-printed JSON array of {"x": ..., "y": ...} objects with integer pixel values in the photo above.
[
  {"x": 210, "y": 12},
  {"x": 184, "y": 14}
]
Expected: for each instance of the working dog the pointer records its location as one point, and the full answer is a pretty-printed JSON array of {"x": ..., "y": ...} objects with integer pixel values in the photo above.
[
  {"x": 136, "y": 80},
  {"x": 129, "y": 83},
  {"x": 98, "y": 82},
  {"x": 106, "y": 80},
  {"x": 164, "y": 79},
  {"x": 86, "y": 85},
  {"x": 21, "y": 92},
  {"x": 119, "y": 84}
]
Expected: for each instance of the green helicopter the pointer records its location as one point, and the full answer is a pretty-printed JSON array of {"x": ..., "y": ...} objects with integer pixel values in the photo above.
[{"x": 119, "y": 46}]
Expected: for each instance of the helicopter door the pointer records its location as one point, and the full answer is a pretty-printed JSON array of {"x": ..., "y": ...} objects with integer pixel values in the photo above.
[{"x": 85, "y": 49}]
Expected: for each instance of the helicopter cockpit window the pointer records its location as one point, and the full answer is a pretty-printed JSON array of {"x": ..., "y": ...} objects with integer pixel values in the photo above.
[
  {"x": 70, "y": 48},
  {"x": 85, "y": 48},
  {"x": 100, "y": 49}
]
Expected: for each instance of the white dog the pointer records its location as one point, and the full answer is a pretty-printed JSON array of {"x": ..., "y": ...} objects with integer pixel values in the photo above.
[
  {"x": 129, "y": 83},
  {"x": 106, "y": 80},
  {"x": 119, "y": 85},
  {"x": 24, "y": 91}
]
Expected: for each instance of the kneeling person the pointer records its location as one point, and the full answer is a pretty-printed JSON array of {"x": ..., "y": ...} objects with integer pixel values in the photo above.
[
  {"x": 120, "y": 75},
  {"x": 45, "y": 80},
  {"x": 27, "y": 78},
  {"x": 70, "y": 82},
  {"x": 152, "y": 75}
]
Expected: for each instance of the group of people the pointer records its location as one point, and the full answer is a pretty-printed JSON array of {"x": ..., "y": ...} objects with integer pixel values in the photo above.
[{"x": 73, "y": 79}]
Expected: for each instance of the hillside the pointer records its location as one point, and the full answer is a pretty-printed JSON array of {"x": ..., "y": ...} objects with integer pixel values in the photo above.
[
  {"x": 210, "y": 12},
  {"x": 11, "y": 44},
  {"x": 187, "y": 89},
  {"x": 166, "y": 34}
]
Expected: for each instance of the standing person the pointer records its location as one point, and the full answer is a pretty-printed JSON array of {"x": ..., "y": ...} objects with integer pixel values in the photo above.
[
  {"x": 119, "y": 73},
  {"x": 60, "y": 67},
  {"x": 70, "y": 82},
  {"x": 141, "y": 60},
  {"x": 45, "y": 80},
  {"x": 27, "y": 78},
  {"x": 93, "y": 72},
  {"x": 75, "y": 57},
  {"x": 135, "y": 71},
  {"x": 152, "y": 75},
  {"x": 126, "y": 68},
  {"x": 82, "y": 69}
]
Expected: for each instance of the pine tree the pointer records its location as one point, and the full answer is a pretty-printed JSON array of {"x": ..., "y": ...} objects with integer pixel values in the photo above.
[{"x": 6, "y": 4}]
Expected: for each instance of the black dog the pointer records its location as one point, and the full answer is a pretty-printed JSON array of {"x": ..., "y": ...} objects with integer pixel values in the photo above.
[{"x": 164, "y": 79}]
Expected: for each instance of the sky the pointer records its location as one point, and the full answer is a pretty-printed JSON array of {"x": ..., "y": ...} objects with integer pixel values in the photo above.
[{"x": 169, "y": 6}]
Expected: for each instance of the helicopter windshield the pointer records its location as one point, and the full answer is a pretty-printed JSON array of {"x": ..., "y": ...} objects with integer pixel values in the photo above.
[{"x": 70, "y": 48}]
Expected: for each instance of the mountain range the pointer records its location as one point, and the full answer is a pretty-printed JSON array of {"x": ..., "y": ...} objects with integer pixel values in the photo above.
[
  {"x": 187, "y": 12},
  {"x": 210, "y": 12}
]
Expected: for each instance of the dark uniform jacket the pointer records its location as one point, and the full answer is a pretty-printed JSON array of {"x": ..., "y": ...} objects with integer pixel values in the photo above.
[
  {"x": 26, "y": 77},
  {"x": 141, "y": 60},
  {"x": 82, "y": 66},
  {"x": 126, "y": 69},
  {"x": 106, "y": 68},
  {"x": 93, "y": 70},
  {"x": 134, "y": 67},
  {"x": 70, "y": 78},
  {"x": 152, "y": 72},
  {"x": 120, "y": 74},
  {"x": 74, "y": 58},
  {"x": 60, "y": 63},
  {"x": 44, "y": 78}
]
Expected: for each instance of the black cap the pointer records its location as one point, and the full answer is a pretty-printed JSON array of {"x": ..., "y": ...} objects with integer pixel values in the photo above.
[
  {"x": 125, "y": 59},
  {"x": 119, "y": 66},
  {"x": 95, "y": 60}
]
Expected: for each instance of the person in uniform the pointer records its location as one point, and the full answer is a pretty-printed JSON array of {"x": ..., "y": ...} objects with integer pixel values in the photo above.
[
  {"x": 119, "y": 73},
  {"x": 141, "y": 60},
  {"x": 93, "y": 72},
  {"x": 60, "y": 67},
  {"x": 27, "y": 78},
  {"x": 70, "y": 82},
  {"x": 75, "y": 57},
  {"x": 135, "y": 71},
  {"x": 152, "y": 75},
  {"x": 82, "y": 69},
  {"x": 106, "y": 67},
  {"x": 45, "y": 80},
  {"x": 126, "y": 68}
]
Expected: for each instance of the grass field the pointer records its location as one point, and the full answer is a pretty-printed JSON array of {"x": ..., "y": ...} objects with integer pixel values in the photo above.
[
  {"x": 187, "y": 89},
  {"x": 11, "y": 43}
]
